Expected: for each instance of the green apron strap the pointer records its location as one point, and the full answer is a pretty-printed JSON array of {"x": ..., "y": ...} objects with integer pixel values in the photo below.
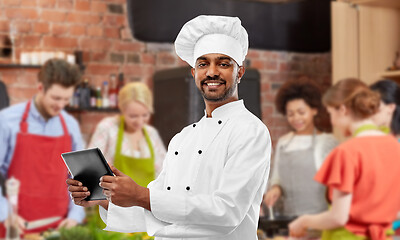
[
  {"x": 139, "y": 169},
  {"x": 120, "y": 137},
  {"x": 344, "y": 234},
  {"x": 367, "y": 127},
  {"x": 149, "y": 143}
]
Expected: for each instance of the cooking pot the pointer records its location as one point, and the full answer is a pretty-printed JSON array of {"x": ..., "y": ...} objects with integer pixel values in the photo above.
[{"x": 276, "y": 226}]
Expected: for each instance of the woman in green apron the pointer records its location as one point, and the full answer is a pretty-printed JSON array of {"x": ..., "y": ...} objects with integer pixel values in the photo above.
[
  {"x": 360, "y": 173},
  {"x": 127, "y": 141}
]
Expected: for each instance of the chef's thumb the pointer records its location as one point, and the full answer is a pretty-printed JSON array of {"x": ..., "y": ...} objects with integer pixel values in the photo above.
[{"x": 116, "y": 171}]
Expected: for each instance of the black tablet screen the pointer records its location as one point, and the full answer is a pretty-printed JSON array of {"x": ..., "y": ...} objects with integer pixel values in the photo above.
[{"x": 88, "y": 166}]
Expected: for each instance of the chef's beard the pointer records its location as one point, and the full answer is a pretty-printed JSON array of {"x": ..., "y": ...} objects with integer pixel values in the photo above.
[{"x": 224, "y": 95}]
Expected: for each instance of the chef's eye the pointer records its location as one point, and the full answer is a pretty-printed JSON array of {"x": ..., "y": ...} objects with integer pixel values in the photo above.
[
  {"x": 201, "y": 65},
  {"x": 225, "y": 64}
]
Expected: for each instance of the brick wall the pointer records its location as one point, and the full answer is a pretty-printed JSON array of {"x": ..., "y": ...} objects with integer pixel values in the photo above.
[{"x": 100, "y": 30}]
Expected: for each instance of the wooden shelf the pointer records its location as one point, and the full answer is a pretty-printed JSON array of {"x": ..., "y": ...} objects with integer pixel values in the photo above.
[
  {"x": 2, "y": 65},
  {"x": 19, "y": 66},
  {"x": 377, "y": 3},
  {"x": 391, "y": 74},
  {"x": 82, "y": 110}
]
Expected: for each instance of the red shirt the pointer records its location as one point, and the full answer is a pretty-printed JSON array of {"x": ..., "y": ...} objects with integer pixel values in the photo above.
[{"x": 369, "y": 168}]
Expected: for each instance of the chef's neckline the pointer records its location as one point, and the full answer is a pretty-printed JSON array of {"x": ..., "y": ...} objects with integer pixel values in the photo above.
[{"x": 224, "y": 110}]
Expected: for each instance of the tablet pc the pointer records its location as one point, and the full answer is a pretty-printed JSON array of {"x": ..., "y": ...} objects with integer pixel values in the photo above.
[{"x": 88, "y": 166}]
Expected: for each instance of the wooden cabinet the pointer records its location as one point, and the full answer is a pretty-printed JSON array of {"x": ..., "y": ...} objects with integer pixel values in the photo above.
[
  {"x": 376, "y": 3},
  {"x": 365, "y": 39}
]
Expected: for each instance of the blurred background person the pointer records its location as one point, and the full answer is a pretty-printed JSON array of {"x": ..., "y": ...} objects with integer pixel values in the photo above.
[
  {"x": 301, "y": 152},
  {"x": 127, "y": 141},
  {"x": 33, "y": 135},
  {"x": 360, "y": 173},
  {"x": 388, "y": 115}
]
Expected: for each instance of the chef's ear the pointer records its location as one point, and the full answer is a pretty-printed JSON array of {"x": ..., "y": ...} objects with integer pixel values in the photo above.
[
  {"x": 241, "y": 72},
  {"x": 192, "y": 71}
]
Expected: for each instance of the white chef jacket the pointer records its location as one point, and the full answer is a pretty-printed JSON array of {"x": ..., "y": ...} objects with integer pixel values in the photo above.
[{"x": 211, "y": 185}]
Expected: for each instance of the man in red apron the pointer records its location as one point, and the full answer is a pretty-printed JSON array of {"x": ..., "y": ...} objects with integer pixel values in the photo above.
[{"x": 32, "y": 137}]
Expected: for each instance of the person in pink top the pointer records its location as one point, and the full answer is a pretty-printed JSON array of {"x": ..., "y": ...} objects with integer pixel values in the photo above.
[{"x": 359, "y": 174}]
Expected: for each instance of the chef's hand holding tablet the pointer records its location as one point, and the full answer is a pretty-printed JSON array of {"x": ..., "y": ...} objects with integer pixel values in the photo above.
[
  {"x": 79, "y": 193},
  {"x": 86, "y": 168},
  {"x": 123, "y": 191}
]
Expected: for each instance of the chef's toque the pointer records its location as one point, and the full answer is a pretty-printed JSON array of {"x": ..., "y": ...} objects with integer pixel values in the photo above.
[{"x": 212, "y": 34}]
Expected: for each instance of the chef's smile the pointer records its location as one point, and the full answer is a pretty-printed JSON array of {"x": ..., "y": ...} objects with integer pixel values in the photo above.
[{"x": 212, "y": 85}]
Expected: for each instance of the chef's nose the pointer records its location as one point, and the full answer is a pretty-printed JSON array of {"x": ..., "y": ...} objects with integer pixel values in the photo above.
[{"x": 212, "y": 71}]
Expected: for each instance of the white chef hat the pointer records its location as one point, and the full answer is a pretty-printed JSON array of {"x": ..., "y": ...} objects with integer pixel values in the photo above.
[{"x": 212, "y": 34}]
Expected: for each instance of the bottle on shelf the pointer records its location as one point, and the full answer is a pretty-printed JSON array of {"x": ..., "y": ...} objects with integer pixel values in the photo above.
[
  {"x": 12, "y": 228},
  {"x": 99, "y": 102},
  {"x": 120, "y": 83},
  {"x": 93, "y": 98},
  {"x": 84, "y": 95},
  {"x": 105, "y": 98},
  {"x": 76, "y": 97},
  {"x": 113, "y": 92}
]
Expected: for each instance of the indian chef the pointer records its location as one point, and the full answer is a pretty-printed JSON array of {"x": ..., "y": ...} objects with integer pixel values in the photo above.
[
  {"x": 33, "y": 135},
  {"x": 216, "y": 169}
]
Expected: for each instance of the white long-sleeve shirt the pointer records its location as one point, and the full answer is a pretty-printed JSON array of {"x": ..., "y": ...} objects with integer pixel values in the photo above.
[
  {"x": 212, "y": 182},
  {"x": 3, "y": 210},
  {"x": 324, "y": 143}
]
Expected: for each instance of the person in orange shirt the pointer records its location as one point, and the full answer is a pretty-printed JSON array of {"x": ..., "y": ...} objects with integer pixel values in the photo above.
[{"x": 359, "y": 174}]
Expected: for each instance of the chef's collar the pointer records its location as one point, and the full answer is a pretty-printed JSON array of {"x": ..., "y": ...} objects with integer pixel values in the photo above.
[{"x": 226, "y": 110}]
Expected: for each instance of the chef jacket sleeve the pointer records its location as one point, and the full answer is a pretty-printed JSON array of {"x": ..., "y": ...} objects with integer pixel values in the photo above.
[
  {"x": 219, "y": 213},
  {"x": 123, "y": 219},
  {"x": 130, "y": 219}
]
